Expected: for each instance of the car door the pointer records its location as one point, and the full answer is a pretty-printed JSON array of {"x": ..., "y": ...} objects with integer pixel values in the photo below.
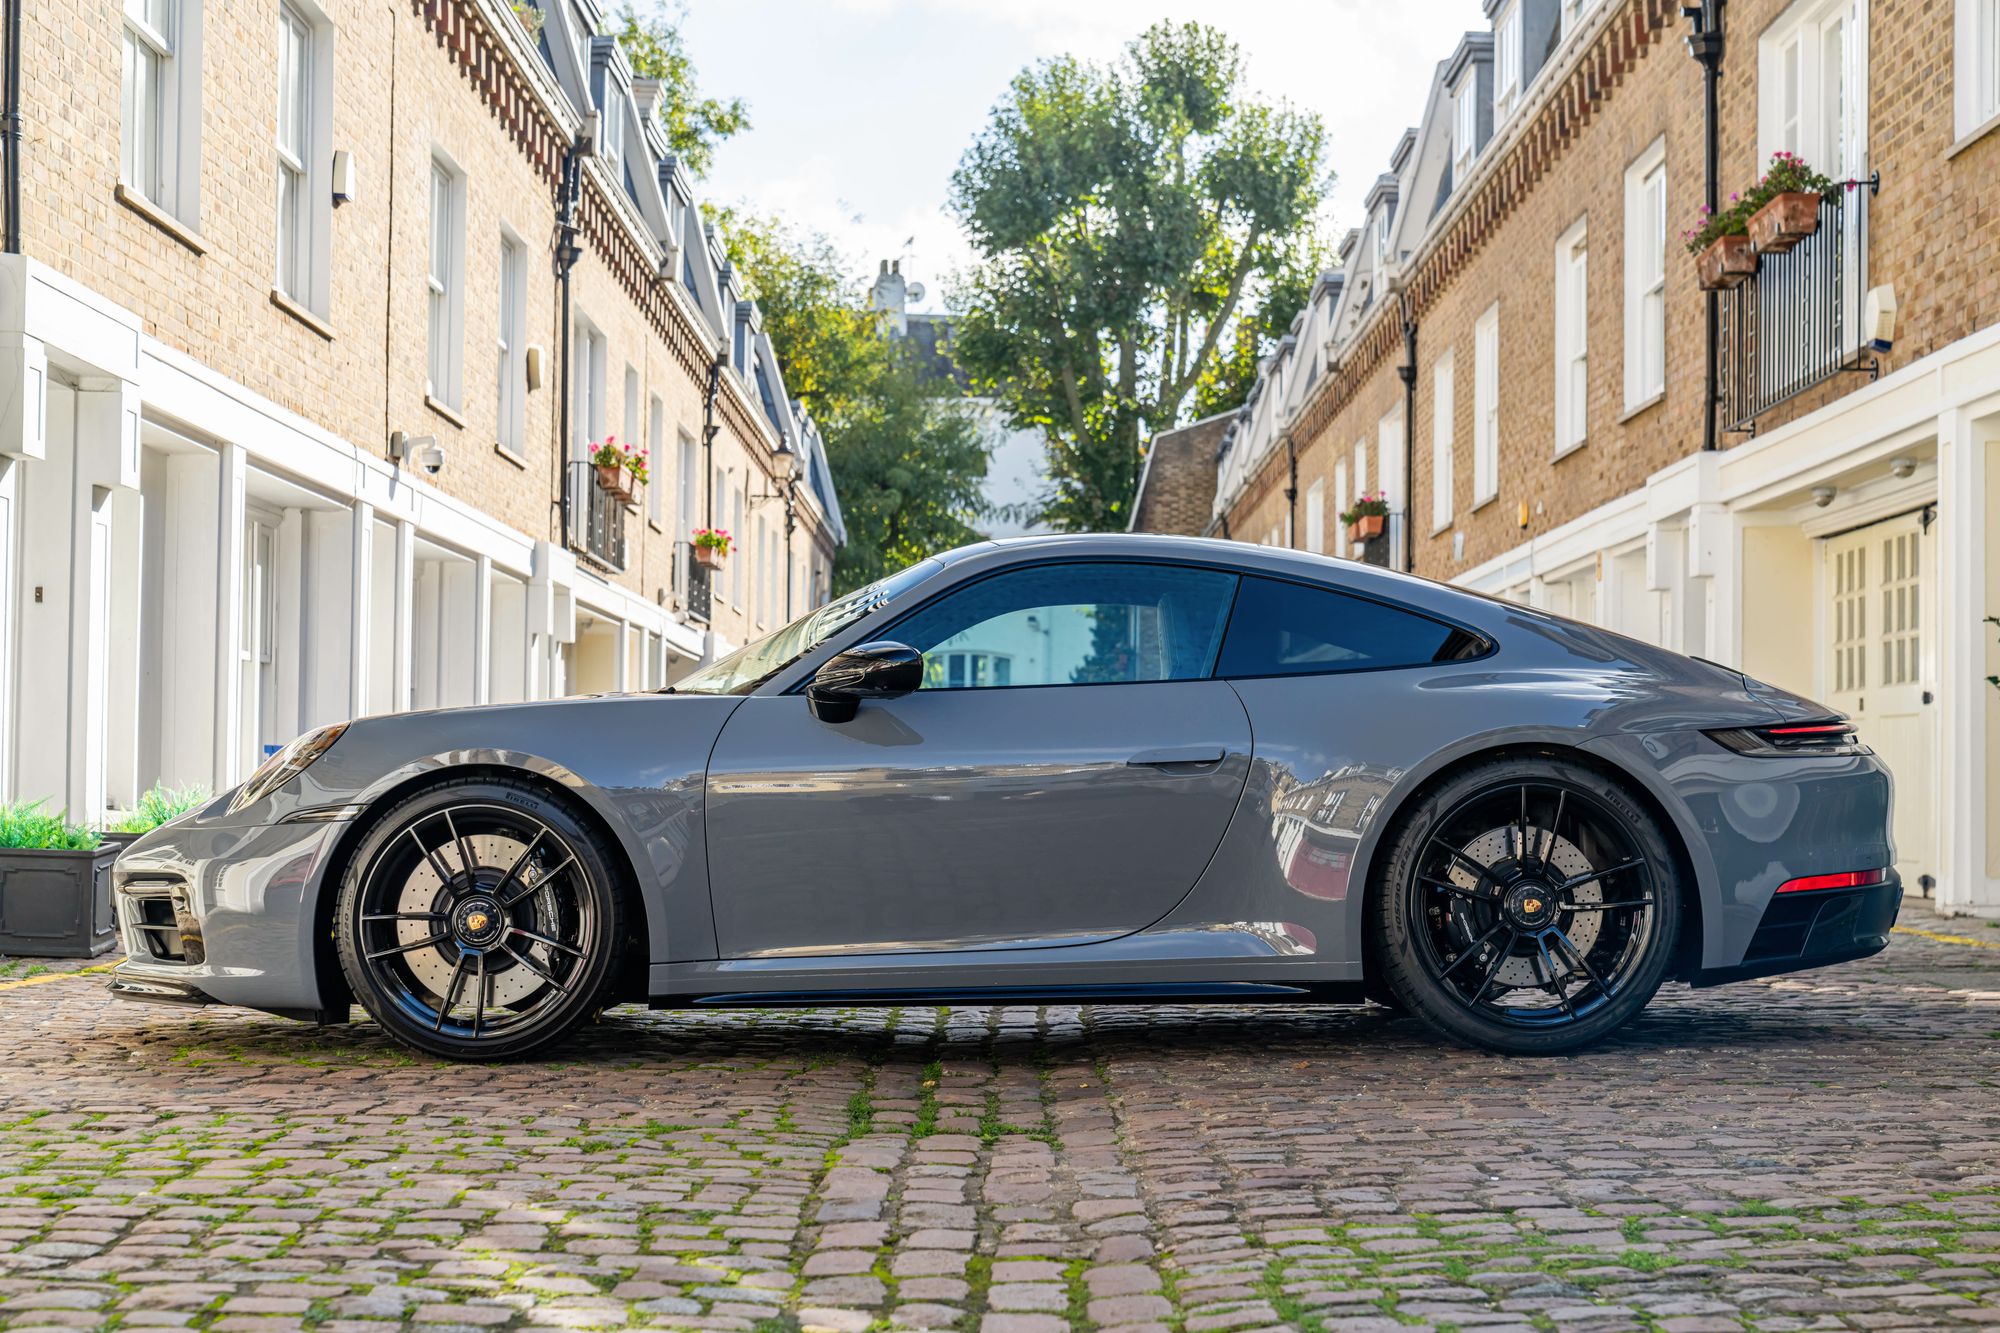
[{"x": 1064, "y": 774}]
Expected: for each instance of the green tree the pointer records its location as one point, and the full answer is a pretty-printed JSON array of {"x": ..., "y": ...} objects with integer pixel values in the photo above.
[
  {"x": 651, "y": 35},
  {"x": 907, "y": 460},
  {"x": 1122, "y": 214},
  {"x": 1226, "y": 383}
]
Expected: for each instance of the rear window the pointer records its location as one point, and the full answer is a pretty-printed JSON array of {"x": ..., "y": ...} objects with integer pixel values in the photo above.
[{"x": 1289, "y": 629}]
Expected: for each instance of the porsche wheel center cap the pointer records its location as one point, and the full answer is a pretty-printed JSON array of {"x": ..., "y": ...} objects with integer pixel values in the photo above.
[
  {"x": 1532, "y": 906},
  {"x": 478, "y": 922}
]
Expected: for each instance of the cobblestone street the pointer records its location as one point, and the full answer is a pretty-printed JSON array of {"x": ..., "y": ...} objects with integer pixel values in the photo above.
[{"x": 1818, "y": 1151}]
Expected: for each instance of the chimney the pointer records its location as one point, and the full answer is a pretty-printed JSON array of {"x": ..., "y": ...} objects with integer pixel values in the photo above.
[{"x": 890, "y": 296}]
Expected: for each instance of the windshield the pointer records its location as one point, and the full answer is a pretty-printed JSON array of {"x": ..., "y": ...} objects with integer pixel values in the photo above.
[{"x": 754, "y": 663}]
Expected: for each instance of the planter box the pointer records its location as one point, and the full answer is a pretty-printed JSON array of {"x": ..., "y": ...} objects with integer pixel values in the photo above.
[
  {"x": 710, "y": 557},
  {"x": 1726, "y": 263},
  {"x": 1783, "y": 222},
  {"x": 611, "y": 478},
  {"x": 1365, "y": 529},
  {"x": 56, "y": 904}
]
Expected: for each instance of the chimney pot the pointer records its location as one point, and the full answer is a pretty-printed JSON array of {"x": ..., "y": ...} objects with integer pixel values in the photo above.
[{"x": 884, "y": 268}]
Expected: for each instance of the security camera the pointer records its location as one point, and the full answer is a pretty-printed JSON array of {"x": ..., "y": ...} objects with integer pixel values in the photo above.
[
  {"x": 1823, "y": 495},
  {"x": 431, "y": 458},
  {"x": 417, "y": 450}
]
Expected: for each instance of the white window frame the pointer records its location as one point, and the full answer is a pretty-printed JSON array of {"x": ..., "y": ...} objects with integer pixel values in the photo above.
[
  {"x": 1340, "y": 504},
  {"x": 1646, "y": 276},
  {"x": 1506, "y": 63},
  {"x": 656, "y": 460},
  {"x": 1316, "y": 517},
  {"x": 589, "y": 356},
  {"x": 1572, "y": 338},
  {"x": 445, "y": 278},
  {"x": 1486, "y": 406},
  {"x": 628, "y": 431},
  {"x": 1360, "y": 468},
  {"x": 1975, "y": 68},
  {"x": 304, "y": 159},
  {"x": 1465, "y": 125},
  {"x": 160, "y": 132},
  {"x": 1812, "y": 86},
  {"x": 511, "y": 361},
  {"x": 1443, "y": 408}
]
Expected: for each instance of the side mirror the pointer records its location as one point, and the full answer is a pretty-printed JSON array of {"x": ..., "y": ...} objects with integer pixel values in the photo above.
[{"x": 865, "y": 671}]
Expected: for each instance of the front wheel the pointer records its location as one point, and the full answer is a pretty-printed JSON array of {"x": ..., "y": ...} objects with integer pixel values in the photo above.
[
  {"x": 1528, "y": 906},
  {"x": 479, "y": 920}
]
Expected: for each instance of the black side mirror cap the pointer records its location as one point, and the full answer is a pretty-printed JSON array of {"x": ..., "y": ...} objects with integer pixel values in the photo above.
[{"x": 881, "y": 670}]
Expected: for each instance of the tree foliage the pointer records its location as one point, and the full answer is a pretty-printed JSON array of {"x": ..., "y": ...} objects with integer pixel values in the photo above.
[
  {"x": 907, "y": 461},
  {"x": 651, "y": 34},
  {"x": 1123, "y": 216}
]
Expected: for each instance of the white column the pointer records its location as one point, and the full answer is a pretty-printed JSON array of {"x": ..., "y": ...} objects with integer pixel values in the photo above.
[
  {"x": 482, "y": 629},
  {"x": 406, "y": 576},
  {"x": 229, "y": 617},
  {"x": 1965, "y": 477},
  {"x": 361, "y": 621},
  {"x": 621, "y": 642}
]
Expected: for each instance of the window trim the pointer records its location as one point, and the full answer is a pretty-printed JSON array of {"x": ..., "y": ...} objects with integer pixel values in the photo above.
[
  {"x": 1572, "y": 336},
  {"x": 450, "y": 342},
  {"x": 1444, "y": 423},
  {"x": 1643, "y": 168},
  {"x": 1486, "y": 407},
  {"x": 176, "y": 112},
  {"x": 1506, "y": 62},
  {"x": 510, "y": 427},
  {"x": 1975, "y": 69},
  {"x": 308, "y": 285}
]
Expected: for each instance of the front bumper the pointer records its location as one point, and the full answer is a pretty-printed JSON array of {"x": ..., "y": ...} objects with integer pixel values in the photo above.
[
  {"x": 1816, "y": 929},
  {"x": 226, "y": 915}
]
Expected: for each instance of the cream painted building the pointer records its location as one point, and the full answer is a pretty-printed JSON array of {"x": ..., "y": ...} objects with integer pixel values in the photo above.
[{"x": 310, "y": 312}]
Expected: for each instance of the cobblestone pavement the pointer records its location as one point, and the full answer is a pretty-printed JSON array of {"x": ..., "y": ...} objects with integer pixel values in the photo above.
[{"x": 1820, "y": 1151}]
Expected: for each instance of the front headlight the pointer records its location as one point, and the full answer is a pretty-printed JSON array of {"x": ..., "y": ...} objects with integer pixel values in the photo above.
[{"x": 285, "y": 765}]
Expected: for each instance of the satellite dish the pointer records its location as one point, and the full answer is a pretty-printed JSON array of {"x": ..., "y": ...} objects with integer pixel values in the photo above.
[{"x": 916, "y": 291}]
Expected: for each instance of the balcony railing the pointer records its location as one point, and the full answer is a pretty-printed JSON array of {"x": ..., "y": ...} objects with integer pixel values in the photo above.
[
  {"x": 700, "y": 584},
  {"x": 1796, "y": 322},
  {"x": 597, "y": 518}
]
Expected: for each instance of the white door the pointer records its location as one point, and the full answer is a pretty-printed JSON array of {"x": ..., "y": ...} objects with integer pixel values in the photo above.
[{"x": 1883, "y": 652}]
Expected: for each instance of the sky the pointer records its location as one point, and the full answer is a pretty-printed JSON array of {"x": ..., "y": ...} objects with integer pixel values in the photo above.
[{"x": 860, "y": 109}]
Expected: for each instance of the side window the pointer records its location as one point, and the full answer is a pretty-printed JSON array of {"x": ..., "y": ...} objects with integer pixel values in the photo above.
[
  {"x": 1288, "y": 629},
  {"x": 1072, "y": 624}
]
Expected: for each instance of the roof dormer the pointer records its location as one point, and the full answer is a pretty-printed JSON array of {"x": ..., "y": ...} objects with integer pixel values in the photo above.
[
  {"x": 1468, "y": 81},
  {"x": 1381, "y": 204},
  {"x": 610, "y": 99},
  {"x": 743, "y": 338},
  {"x": 1525, "y": 32}
]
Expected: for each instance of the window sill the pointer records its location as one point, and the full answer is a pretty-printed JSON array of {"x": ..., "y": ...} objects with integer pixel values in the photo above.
[
  {"x": 160, "y": 218},
  {"x": 1439, "y": 529},
  {"x": 1480, "y": 504},
  {"x": 301, "y": 314},
  {"x": 1645, "y": 404},
  {"x": 1973, "y": 136},
  {"x": 1566, "y": 450},
  {"x": 445, "y": 410},
  {"x": 654, "y": 526},
  {"x": 510, "y": 456}
]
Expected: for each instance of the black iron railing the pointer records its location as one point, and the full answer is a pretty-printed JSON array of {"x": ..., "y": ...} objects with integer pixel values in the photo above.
[
  {"x": 597, "y": 518},
  {"x": 700, "y": 584},
  {"x": 1796, "y": 322}
]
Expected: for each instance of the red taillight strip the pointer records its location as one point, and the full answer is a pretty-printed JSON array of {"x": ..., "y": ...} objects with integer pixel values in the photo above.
[
  {"x": 1847, "y": 879},
  {"x": 1815, "y": 730}
]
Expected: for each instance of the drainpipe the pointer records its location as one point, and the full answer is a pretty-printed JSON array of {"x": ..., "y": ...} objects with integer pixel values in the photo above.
[
  {"x": 1705, "y": 45},
  {"x": 1292, "y": 494},
  {"x": 709, "y": 429},
  {"x": 567, "y": 253},
  {"x": 1407, "y": 372},
  {"x": 10, "y": 128}
]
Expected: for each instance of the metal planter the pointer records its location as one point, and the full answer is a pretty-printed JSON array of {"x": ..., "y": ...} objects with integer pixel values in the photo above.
[{"x": 56, "y": 904}]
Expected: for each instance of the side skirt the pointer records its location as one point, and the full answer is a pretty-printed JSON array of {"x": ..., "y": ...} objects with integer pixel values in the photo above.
[{"x": 1226, "y": 992}]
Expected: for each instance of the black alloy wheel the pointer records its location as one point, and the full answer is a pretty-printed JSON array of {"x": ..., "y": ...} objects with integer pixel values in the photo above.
[
  {"x": 478, "y": 921},
  {"x": 1529, "y": 907}
]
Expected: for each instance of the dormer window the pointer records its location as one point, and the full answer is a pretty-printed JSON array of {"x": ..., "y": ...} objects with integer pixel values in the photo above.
[
  {"x": 1382, "y": 221},
  {"x": 1465, "y": 125},
  {"x": 611, "y": 127},
  {"x": 1506, "y": 62}
]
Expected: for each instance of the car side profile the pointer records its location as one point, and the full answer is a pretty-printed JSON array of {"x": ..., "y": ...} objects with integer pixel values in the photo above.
[{"x": 1125, "y": 768}]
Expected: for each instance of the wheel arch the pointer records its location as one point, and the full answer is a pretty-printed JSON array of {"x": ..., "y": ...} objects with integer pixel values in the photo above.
[
  {"x": 1688, "y": 948},
  {"x": 554, "y": 781}
]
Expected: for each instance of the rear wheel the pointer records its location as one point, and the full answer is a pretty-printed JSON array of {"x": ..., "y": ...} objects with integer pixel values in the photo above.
[
  {"x": 479, "y": 921},
  {"x": 1529, "y": 906}
]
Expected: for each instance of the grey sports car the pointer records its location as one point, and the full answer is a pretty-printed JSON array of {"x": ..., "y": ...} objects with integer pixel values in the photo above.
[{"x": 1050, "y": 769}]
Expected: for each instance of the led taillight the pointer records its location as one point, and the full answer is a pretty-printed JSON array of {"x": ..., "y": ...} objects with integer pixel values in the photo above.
[
  {"x": 1828, "y": 737},
  {"x": 1846, "y": 879}
]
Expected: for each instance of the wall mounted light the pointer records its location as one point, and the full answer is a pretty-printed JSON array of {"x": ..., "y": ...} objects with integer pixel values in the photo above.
[{"x": 1823, "y": 495}]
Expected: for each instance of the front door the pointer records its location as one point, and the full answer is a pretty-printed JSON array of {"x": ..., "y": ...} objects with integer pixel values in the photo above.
[
  {"x": 1882, "y": 639},
  {"x": 1064, "y": 775}
]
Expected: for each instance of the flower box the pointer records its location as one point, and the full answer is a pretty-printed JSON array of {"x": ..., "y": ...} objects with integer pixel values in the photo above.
[
  {"x": 710, "y": 557},
  {"x": 1784, "y": 221},
  {"x": 612, "y": 478},
  {"x": 56, "y": 904},
  {"x": 1365, "y": 529},
  {"x": 1727, "y": 261}
]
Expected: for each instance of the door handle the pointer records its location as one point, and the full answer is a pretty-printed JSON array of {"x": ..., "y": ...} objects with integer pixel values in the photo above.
[{"x": 1176, "y": 756}]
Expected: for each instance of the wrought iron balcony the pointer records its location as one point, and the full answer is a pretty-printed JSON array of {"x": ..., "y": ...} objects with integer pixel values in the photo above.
[
  {"x": 700, "y": 596},
  {"x": 1796, "y": 322},
  {"x": 597, "y": 518}
]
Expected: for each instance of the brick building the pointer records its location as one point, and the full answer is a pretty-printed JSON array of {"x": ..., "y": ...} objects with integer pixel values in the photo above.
[
  {"x": 1514, "y": 348},
  {"x": 1177, "y": 486},
  {"x": 309, "y": 313}
]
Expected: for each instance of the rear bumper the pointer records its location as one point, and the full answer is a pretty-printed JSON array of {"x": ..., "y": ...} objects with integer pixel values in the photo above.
[{"x": 1816, "y": 929}]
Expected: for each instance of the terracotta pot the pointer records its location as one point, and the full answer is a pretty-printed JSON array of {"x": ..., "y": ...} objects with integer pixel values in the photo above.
[
  {"x": 709, "y": 556},
  {"x": 1365, "y": 529},
  {"x": 612, "y": 478},
  {"x": 1785, "y": 221},
  {"x": 1727, "y": 262}
]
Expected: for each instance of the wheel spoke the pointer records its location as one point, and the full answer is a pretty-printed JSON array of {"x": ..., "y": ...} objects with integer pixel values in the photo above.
[
  {"x": 1548, "y": 845},
  {"x": 410, "y": 948},
  {"x": 528, "y": 961},
  {"x": 464, "y": 850},
  {"x": 1521, "y": 853},
  {"x": 547, "y": 878},
  {"x": 1484, "y": 872},
  {"x": 1587, "y": 876},
  {"x": 1452, "y": 886},
  {"x": 402, "y": 916},
  {"x": 1569, "y": 946},
  {"x": 437, "y": 865},
  {"x": 544, "y": 939},
  {"x": 500, "y": 889},
  {"x": 450, "y": 994},
  {"x": 1499, "y": 961},
  {"x": 1472, "y": 949},
  {"x": 479, "y": 998},
  {"x": 1618, "y": 906},
  {"x": 1555, "y": 983}
]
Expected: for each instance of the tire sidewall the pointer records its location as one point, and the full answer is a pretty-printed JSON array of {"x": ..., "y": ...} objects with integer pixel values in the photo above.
[
  {"x": 1397, "y": 952},
  {"x": 600, "y": 882}
]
